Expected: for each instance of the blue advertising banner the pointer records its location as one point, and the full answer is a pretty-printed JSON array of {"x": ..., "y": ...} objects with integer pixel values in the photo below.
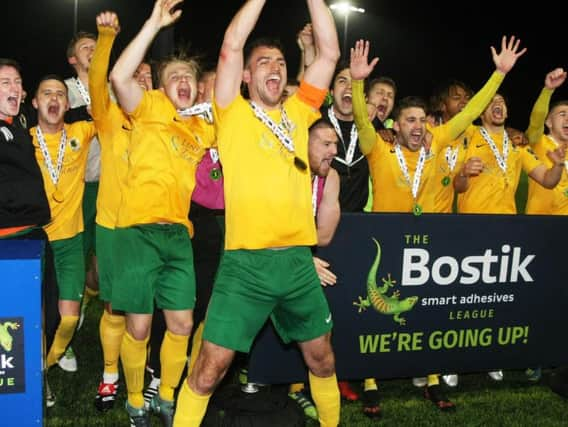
[
  {"x": 437, "y": 293},
  {"x": 21, "y": 400}
]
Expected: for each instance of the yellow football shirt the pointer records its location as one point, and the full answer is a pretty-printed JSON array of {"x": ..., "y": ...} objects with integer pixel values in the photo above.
[
  {"x": 391, "y": 190},
  {"x": 542, "y": 201},
  {"x": 163, "y": 154},
  {"x": 67, "y": 214},
  {"x": 493, "y": 191},
  {"x": 449, "y": 161},
  {"x": 267, "y": 198}
]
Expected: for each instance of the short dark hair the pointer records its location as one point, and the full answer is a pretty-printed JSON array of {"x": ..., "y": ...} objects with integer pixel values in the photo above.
[
  {"x": 409, "y": 102},
  {"x": 269, "y": 42},
  {"x": 380, "y": 80},
  {"x": 341, "y": 65},
  {"x": 558, "y": 103},
  {"x": 76, "y": 37},
  {"x": 8, "y": 62},
  {"x": 322, "y": 122},
  {"x": 51, "y": 77}
]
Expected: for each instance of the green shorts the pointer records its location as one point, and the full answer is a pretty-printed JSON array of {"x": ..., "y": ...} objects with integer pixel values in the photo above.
[
  {"x": 105, "y": 260},
  {"x": 69, "y": 267},
  {"x": 89, "y": 215},
  {"x": 252, "y": 285},
  {"x": 153, "y": 262}
]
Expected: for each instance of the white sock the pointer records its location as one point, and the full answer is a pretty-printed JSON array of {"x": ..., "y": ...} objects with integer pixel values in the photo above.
[{"x": 110, "y": 378}]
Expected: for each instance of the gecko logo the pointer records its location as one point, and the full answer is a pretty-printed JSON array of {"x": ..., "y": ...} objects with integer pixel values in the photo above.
[
  {"x": 377, "y": 296},
  {"x": 6, "y": 339}
]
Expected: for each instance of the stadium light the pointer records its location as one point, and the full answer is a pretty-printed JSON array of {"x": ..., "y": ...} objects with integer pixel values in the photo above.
[{"x": 345, "y": 8}]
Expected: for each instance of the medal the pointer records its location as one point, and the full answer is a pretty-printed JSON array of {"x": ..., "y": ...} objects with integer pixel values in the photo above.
[
  {"x": 417, "y": 209},
  {"x": 58, "y": 196},
  {"x": 300, "y": 164},
  {"x": 215, "y": 174},
  {"x": 446, "y": 181}
]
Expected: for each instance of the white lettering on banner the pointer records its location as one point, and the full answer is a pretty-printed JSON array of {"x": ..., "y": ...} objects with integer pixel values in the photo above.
[
  {"x": 6, "y": 362},
  {"x": 446, "y": 270}
]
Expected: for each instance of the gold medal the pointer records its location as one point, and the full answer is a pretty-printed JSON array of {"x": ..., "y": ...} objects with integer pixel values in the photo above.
[
  {"x": 215, "y": 174},
  {"x": 58, "y": 196},
  {"x": 300, "y": 164},
  {"x": 446, "y": 181},
  {"x": 417, "y": 209}
]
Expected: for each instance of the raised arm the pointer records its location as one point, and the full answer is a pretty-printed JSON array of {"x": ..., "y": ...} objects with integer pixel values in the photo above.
[
  {"x": 504, "y": 61},
  {"x": 230, "y": 65},
  {"x": 320, "y": 72},
  {"x": 328, "y": 210},
  {"x": 549, "y": 178},
  {"x": 127, "y": 90},
  {"x": 108, "y": 28},
  {"x": 552, "y": 81},
  {"x": 360, "y": 69},
  {"x": 307, "y": 50}
]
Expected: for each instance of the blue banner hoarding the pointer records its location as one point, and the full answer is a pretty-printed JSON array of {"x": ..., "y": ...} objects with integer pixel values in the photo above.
[
  {"x": 21, "y": 399},
  {"x": 437, "y": 293}
]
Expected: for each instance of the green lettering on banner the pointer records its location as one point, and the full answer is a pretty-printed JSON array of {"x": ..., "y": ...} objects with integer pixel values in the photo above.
[
  {"x": 442, "y": 340},
  {"x": 368, "y": 343},
  {"x": 512, "y": 335}
]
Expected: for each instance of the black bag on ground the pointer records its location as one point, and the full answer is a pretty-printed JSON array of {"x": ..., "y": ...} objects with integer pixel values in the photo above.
[
  {"x": 269, "y": 407},
  {"x": 558, "y": 381}
]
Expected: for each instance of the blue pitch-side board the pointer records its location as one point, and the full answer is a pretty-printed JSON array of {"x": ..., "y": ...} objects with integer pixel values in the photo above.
[{"x": 21, "y": 401}]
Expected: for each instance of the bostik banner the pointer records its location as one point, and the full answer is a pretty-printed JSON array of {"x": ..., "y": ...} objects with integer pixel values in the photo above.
[
  {"x": 21, "y": 397},
  {"x": 437, "y": 293}
]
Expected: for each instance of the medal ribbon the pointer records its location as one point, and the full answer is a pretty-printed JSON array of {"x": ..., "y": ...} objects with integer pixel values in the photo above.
[
  {"x": 280, "y": 131},
  {"x": 54, "y": 172},
  {"x": 350, "y": 150},
  {"x": 82, "y": 91},
  {"x": 452, "y": 158},
  {"x": 501, "y": 159},
  {"x": 315, "y": 181},
  {"x": 203, "y": 110},
  {"x": 415, "y": 182}
]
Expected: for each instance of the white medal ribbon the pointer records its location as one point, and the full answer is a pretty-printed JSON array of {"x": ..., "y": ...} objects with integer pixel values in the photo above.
[
  {"x": 315, "y": 182},
  {"x": 415, "y": 182},
  {"x": 82, "y": 91},
  {"x": 214, "y": 154},
  {"x": 54, "y": 172},
  {"x": 280, "y": 131},
  {"x": 501, "y": 159},
  {"x": 203, "y": 110},
  {"x": 350, "y": 149},
  {"x": 452, "y": 158}
]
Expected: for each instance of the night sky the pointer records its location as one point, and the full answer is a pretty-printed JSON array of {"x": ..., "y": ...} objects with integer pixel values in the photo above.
[{"x": 420, "y": 45}]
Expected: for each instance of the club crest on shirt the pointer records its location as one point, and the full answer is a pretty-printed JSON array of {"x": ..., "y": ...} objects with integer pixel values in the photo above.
[
  {"x": 187, "y": 150},
  {"x": 74, "y": 144}
]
